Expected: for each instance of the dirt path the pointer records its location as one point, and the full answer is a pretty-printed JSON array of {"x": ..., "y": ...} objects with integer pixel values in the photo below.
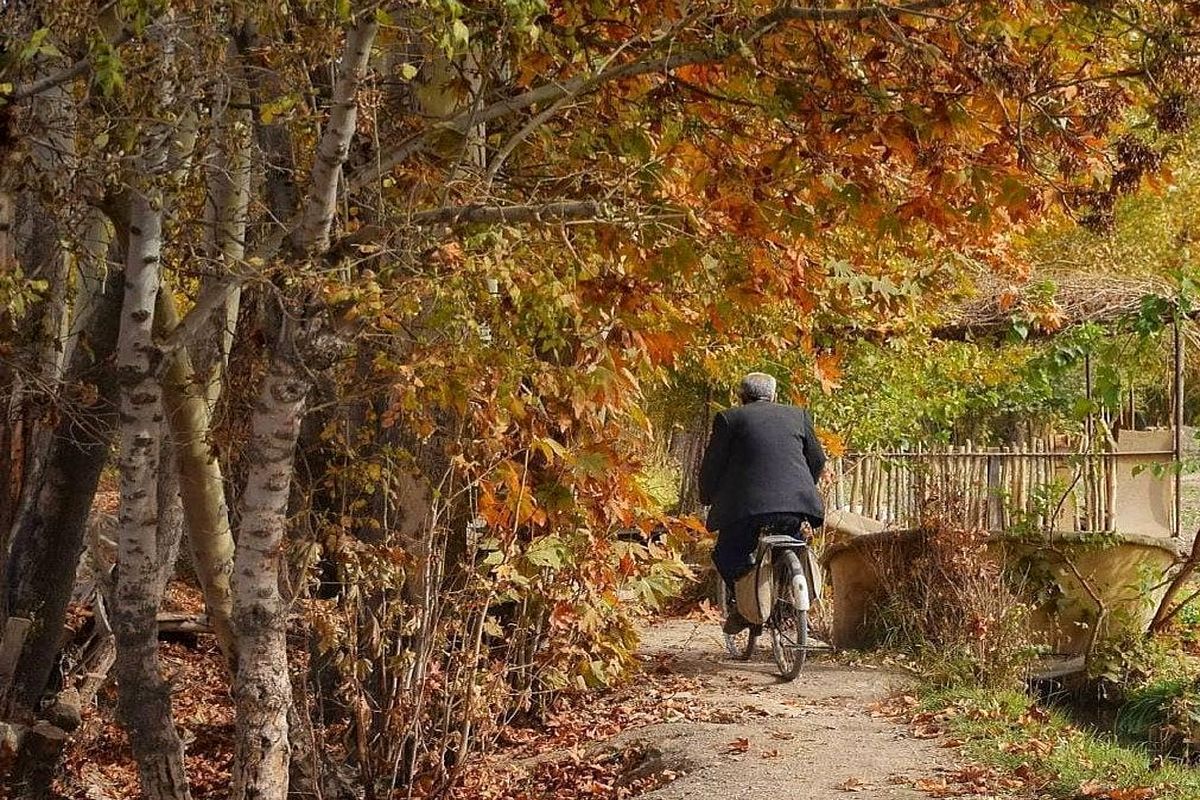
[{"x": 814, "y": 738}]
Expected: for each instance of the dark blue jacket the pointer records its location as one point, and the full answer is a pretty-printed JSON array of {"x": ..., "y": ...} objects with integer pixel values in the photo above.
[{"x": 761, "y": 458}]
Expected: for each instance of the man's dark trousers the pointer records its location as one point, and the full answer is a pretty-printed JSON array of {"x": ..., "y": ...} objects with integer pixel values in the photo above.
[{"x": 734, "y": 553}]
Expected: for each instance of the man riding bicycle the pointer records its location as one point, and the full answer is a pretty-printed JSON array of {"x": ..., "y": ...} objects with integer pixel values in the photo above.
[{"x": 760, "y": 470}]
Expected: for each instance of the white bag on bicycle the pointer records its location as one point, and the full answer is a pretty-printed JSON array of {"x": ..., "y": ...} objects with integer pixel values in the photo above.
[{"x": 756, "y": 590}]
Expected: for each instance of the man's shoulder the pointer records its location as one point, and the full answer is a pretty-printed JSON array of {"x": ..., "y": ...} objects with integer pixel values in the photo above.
[
  {"x": 766, "y": 411},
  {"x": 780, "y": 409}
]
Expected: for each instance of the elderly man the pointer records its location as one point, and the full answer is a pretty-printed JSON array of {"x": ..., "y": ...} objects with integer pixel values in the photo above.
[{"x": 760, "y": 469}]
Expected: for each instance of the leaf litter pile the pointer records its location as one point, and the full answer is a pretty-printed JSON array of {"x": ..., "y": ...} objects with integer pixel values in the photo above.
[
  {"x": 559, "y": 755},
  {"x": 98, "y": 762},
  {"x": 564, "y": 757}
]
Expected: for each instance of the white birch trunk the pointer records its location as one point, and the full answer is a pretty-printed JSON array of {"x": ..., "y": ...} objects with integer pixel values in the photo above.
[
  {"x": 319, "y": 205},
  {"x": 144, "y": 698},
  {"x": 262, "y": 688},
  {"x": 226, "y": 217}
]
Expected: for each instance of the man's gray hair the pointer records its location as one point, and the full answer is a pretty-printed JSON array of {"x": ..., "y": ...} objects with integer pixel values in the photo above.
[{"x": 757, "y": 386}]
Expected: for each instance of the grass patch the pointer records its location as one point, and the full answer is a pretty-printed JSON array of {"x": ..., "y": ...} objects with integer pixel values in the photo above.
[{"x": 1055, "y": 758}]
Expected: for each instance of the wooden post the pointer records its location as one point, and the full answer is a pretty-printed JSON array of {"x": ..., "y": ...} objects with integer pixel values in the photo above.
[
  {"x": 1176, "y": 526},
  {"x": 839, "y": 488},
  {"x": 993, "y": 493},
  {"x": 1089, "y": 427},
  {"x": 855, "y": 482},
  {"x": 1110, "y": 492},
  {"x": 1090, "y": 485}
]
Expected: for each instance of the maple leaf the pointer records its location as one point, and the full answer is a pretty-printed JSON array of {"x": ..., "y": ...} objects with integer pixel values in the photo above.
[
  {"x": 739, "y": 745},
  {"x": 937, "y": 787},
  {"x": 1008, "y": 299},
  {"x": 828, "y": 371}
]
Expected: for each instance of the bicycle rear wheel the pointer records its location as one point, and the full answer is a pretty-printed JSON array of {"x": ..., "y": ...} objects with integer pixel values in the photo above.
[
  {"x": 789, "y": 623},
  {"x": 740, "y": 645}
]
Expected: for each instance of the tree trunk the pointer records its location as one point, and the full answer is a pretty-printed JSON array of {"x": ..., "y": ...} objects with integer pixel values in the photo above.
[
  {"x": 262, "y": 689},
  {"x": 12, "y": 459},
  {"x": 169, "y": 531},
  {"x": 38, "y": 220},
  {"x": 48, "y": 536},
  {"x": 313, "y": 233},
  {"x": 144, "y": 699},
  {"x": 262, "y": 686},
  {"x": 226, "y": 215},
  {"x": 201, "y": 484}
]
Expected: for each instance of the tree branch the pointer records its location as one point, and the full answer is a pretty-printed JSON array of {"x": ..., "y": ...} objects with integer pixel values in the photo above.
[
  {"x": 1166, "y": 611},
  {"x": 573, "y": 87},
  {"x": 313, "y": 232},
  {"x": 790, "y": 13},
  {"x": 213, "y": 297},
  {"x": 560, "y": 211},
  {"x": 70, "y": 73}
]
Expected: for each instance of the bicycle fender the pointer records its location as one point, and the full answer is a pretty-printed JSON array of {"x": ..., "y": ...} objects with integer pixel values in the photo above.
[{"x": 800, "y": 592}]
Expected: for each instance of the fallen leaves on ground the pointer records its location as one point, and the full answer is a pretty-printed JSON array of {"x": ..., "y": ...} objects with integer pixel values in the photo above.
[
  {"x": 1029, "y": 746},
  {"x": 739, "y": 745},
  {"x": 552, "y": 760},
  {"x": 705, "y": 611},
  {"x": 98, "y": 763},
  {"x": 852, "y": 785},
  {"x": 1097, "y": 790},
  {"x": 899, "y": 706},
  {"x": 969, "y": 780}
]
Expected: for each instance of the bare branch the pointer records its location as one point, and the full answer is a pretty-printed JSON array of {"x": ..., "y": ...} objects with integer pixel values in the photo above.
[
  {"x": 560, "y": 211},
  {"x": 790, "y": 13},
  {"x": 529, "y": 127}
]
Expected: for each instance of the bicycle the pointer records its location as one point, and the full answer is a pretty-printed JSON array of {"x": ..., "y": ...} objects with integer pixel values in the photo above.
[{"x": 788, "y": 600}]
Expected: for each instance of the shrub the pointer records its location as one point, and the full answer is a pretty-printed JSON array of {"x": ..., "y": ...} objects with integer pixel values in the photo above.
[{"x": 948, "y": 602}]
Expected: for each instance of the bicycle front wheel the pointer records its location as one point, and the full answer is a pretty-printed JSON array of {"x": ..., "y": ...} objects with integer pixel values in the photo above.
[
  {"x": 789, "y": 623},
  {"x": 740, "y": 645}
]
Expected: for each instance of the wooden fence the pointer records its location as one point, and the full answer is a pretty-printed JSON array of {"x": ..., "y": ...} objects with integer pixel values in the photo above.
[{"x": 1001, "y": 488}]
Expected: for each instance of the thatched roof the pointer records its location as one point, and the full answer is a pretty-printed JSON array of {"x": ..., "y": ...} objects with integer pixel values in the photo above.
[{"x": 1049, "y": 304}]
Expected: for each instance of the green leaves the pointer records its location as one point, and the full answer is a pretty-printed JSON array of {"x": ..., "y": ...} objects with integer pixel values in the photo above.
[
  {"x": 546, "y": 551},
  {"x": 107, "y": 68},
  {"x": 18, "y": 294},
  {"x": 39, "y": 44}
]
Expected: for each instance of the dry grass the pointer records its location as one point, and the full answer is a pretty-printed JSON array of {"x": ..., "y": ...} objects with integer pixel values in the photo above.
[{"x": 946, "y": 600}]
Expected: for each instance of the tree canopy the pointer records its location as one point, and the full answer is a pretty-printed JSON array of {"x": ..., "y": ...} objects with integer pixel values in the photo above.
[{"x": 386, "y": 298}]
